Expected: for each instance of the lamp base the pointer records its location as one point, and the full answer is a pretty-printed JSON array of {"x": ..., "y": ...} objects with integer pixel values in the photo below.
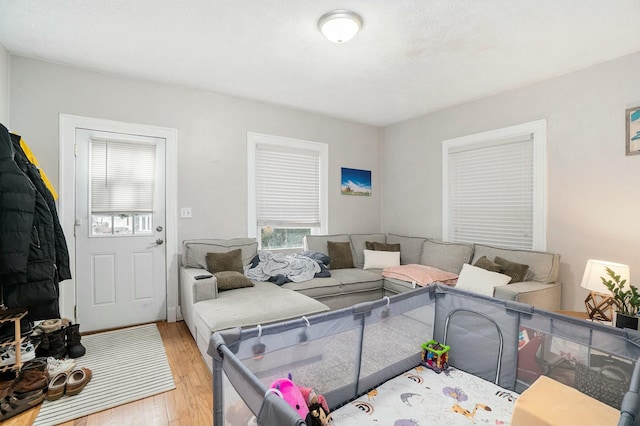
[{"x": 600, "y": 306}]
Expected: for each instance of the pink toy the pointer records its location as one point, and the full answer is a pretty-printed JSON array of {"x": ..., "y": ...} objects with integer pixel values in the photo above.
[{"x": 291, "y": 393}]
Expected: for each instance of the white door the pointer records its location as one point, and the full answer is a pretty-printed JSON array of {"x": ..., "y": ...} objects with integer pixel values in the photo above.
[{"x": 119, "y": 229}]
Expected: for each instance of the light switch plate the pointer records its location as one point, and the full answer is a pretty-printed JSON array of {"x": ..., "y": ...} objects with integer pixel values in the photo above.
[{"x": 185, "y": 212}]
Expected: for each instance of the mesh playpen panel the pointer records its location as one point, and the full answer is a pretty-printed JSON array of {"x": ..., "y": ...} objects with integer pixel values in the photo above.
[{"x": 344, "y": 354}]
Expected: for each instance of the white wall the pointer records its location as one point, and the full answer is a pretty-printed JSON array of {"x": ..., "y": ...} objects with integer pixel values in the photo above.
[
  {"x": 593, "y": 188},
  {"x": 4, "y": 86},
  {"x": 212, "y": 133}
]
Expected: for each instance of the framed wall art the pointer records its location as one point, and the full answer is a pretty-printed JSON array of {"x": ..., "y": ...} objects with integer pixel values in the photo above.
[
  {"x": 633, "y": 130},
  {"x": 355, "y": 182}
]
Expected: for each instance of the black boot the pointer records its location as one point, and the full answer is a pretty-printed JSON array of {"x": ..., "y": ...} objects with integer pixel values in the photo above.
[
  {"x": 57, "y": 343},
  {"x": 75, "y": 348}
]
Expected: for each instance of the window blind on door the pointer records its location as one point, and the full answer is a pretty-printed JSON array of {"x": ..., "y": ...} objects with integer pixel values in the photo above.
[
  {"x": 491, "y": 192},
  {"x": 287, "y": 187},
  {"x": 122, "y": 176}
]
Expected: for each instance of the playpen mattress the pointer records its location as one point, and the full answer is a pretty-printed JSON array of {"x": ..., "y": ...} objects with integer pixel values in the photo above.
[{"x": 423, "y": 397}]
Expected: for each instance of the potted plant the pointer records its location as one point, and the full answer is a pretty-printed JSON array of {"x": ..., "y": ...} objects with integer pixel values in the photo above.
[{"x": 627, "y": 300}]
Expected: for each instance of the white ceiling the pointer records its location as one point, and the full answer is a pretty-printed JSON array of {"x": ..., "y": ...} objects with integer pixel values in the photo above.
[{"x": 411, "y": 57}]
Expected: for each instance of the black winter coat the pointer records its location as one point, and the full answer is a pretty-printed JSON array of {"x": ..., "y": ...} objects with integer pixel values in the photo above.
[{"x": 27, "y": 244}]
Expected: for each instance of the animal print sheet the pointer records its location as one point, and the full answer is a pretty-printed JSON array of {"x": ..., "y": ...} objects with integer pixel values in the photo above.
[{"x": 422, "y": 397}]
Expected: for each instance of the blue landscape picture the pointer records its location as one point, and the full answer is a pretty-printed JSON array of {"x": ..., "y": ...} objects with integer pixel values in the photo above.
[{"x": 355, "y": 181}]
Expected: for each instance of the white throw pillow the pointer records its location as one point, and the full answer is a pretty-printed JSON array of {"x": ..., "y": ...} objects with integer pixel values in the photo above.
[
  {"x": 380, "y": 259},
  {"x": 480, "y": 280}
]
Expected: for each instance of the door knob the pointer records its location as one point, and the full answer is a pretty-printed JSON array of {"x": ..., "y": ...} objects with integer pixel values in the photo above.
[
  {"x": 159, "y": 228},
  {"x": 159, "y": 241}
]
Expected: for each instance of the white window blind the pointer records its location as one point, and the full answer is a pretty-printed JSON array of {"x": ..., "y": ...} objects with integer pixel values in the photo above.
[
  {"x": 122, "y": 176},
  {"x": 493, "y": 192},
  {"x": 287, "y": 187}
]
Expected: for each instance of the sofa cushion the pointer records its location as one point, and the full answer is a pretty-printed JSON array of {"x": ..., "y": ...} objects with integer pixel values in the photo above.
[
  {"x": 340, "y": 254},
  {"x": 231, "y": 280},
  {"x": 410, "y": 247},
  {"x": 316, "y": 287},
  {"x": 194, "y": 251},
  {"x": 543, "y": 267},
  {"x": 485, "y": 263},
  {"x": 229, "y": 261},
  {"x": 446, "y": 256},
  {"x": 374, "y": 259},
  {"x": 359, "y": 244},
  {"x": 319, "y": 242},
  {"x": 261, "y": 304},
  {"x": 517, "y": 271},
  {"x": 480, "y": 280},
  {"x": 354, "y": 280}
]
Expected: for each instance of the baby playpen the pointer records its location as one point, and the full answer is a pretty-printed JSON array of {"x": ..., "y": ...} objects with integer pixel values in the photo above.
[{"x": 366, "y": 361}]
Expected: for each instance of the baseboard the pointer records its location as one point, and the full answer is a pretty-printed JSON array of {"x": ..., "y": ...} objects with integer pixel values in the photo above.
[{"x": 171, "y": 314}]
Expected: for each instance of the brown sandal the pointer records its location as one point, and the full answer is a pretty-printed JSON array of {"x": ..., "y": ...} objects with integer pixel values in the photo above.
[{"x": 15, "y": 404}]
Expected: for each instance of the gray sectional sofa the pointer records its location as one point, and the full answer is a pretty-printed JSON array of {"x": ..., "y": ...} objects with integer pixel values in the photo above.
[{"x": 206, "y": 310}]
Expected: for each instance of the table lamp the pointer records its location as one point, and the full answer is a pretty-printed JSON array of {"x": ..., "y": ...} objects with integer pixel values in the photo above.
[{"x": 600, "y": 302}]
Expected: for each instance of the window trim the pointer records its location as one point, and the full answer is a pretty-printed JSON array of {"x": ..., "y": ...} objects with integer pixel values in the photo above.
[
  {"x": 253, "y": 140},
  {"x": 538, "y": 129}
]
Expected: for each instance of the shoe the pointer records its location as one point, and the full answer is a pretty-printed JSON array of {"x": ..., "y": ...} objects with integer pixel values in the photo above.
[
  {"x": 53, "y": 344},
  {"x": 77, "y": 380},
  {"x": 48, "y": 326},
  {"x": 8, "y": 329},
  {"x": 57, "y": 386},
  {"x": 57, "y": 366},
  {"x": 74, "y": 347},
  {"x": 27, "y": 353},
  {"x": 29, "y": 380},
  {"x": 15, "y": 404}
]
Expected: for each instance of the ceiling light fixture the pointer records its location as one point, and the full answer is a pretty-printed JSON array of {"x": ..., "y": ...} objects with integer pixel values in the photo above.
[{"x": 340, "y": 26}]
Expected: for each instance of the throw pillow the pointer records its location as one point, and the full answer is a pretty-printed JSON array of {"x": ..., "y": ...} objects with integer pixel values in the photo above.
[
  {"x": 517, "y": 271},
  {"x": 485, "y": 263},
  {"x": 420, "y": 274},
  {"x": 229, "y": 261},
  {"x": 480, "y": 280},
  {"x": 230, "y": 280},
  {"x": 386, "y": 247},
  {"x": 340, "y": 254},
  {"x": 380, "y": 259}
]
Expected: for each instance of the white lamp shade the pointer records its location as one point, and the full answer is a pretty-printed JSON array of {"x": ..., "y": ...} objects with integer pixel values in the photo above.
[
  {"x": 595, "y": 270},
  {"x": 340, "y": 26}
]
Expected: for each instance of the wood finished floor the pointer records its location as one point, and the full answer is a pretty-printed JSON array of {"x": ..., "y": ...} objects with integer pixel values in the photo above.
[{"x": 190, "y": 403}]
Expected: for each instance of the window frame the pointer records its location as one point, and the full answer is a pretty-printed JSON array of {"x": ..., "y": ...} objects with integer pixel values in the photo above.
[
  {"x": 538, "y": 130},
  {"x": 255, "y": 139}
]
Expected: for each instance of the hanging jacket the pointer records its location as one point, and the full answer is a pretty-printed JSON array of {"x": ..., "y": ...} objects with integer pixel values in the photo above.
[
  {"x": 30, "y": 169},
  {"x": 28, "y": 274}
]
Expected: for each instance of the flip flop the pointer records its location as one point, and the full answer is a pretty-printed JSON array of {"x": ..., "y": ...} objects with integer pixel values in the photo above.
[{"x": 15, "y": 404}]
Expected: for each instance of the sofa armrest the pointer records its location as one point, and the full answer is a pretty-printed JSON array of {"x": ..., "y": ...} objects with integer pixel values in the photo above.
[
  {"x": 202, "y": 289},
  {"x": 541, "y": 295}
]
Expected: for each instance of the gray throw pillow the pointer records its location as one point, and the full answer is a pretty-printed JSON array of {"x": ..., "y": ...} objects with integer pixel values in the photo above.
[
  {"x": 485, "y": 263},
  {"x": 229, "y": 261},
  {"x": 230, "y": 280},
  {"x": 517, "y": 271},
  {"x": 340, "y": 254},
  {"x": 386, "y": 247}
]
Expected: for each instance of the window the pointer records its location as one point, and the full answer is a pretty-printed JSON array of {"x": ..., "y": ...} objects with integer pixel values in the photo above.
[
  {"x": 287, "y": 190},
  {"x": 494, "y": 187},
  {"x": 122, "y": 186}
]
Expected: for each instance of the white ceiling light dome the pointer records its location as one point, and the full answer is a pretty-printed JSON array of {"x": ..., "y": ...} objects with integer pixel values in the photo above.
[{"x": 340, "y": 26}]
